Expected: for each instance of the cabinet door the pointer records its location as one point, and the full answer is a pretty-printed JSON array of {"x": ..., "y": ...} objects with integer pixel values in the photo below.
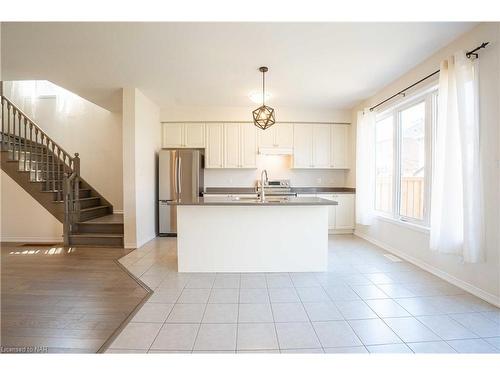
[
  {"x": 194, "y": 135},
  {"x": 248, "y": 146},
  {"x": 232, "y": 146},
  {"x": 173, "y": 135},
  {"x": 266, "y": 138},
  {"x": 214, "y": 141},
  {"x": 340, "y": 144},
  {"x": 321, "y": 145},
  {"x": 344, "y": 212},
  {"x": 284, "y": 135},
  {"x": 331, "y": 210},
  {"x": 302, "y": 146}
]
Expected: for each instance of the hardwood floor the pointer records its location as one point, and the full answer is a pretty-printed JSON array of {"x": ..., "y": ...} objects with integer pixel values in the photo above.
[{"x": 60, "y": 299}]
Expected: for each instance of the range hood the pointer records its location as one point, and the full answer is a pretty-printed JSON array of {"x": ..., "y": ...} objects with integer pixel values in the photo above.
[{"x": 275, "y": 150}]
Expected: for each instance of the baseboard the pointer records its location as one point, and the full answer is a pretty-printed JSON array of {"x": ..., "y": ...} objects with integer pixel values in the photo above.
[
  {"x": 52, "y": 240},
  {"x": 478, "y": 292},
  {"x": 340, "y": 231}
]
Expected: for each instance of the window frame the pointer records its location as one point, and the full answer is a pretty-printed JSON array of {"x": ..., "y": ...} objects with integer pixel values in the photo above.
[{"x": 429, "y": 97}]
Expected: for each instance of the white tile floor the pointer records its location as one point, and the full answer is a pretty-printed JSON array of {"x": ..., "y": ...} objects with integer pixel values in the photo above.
[{"x": 365, "y": 303}]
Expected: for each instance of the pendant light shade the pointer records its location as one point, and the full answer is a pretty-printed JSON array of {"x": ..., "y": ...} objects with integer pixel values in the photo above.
[{"x": 263, "y": 117}]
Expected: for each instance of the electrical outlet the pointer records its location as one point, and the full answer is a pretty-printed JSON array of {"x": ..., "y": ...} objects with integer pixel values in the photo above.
[{"x": 319, "y": 180}]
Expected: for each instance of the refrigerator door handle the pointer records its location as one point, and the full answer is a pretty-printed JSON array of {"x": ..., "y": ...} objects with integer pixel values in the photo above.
[
  {"x": 179, "y": 175},
  {"x": 175, "y": 176}
]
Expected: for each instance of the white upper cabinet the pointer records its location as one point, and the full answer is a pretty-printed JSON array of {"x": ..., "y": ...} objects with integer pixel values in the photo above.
[
  {"x": 173, "y": 135},
  {"x": 232, "y": 146},
  {"x": 190, "y": 135},
  {"x": 278, "y": 135},
  {"x": 267, "y": 137},
  {"x": 214, "y": 143},
  {"x": 340, "y": 145},
  {"x": 194, "y": 135},
  {"x": 283, "y": 135},
  {"x": 240, "y": 146},
  {"x": 321, "y": 145},
  {"x": 235, "y": 145},
  {"x": 248, "y": 134},
  {"x": 302, "y": 146}
]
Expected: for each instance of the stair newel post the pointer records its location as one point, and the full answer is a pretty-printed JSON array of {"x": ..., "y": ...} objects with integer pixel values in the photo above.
[
  {"x": 76, "y": 166},
  {"x": 66, "y": 223},
  {"x": 54, "y": 185}
]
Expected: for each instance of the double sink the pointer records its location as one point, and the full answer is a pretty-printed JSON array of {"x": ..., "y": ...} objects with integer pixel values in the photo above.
[{"x": 273, "y": 199}]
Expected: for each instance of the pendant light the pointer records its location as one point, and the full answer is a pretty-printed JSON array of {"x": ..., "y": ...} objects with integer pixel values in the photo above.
[{"x": 263, "y": 117}]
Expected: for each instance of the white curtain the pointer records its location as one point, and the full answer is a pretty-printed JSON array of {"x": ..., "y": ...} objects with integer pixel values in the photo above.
[
  {"x": 457, "y": 196},
  {"x": 365, "y": 167}
]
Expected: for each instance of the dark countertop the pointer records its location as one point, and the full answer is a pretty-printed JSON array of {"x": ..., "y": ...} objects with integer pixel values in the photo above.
[
  {"x": 298, "y": 190},
  {"x": 269, "y": 201}
]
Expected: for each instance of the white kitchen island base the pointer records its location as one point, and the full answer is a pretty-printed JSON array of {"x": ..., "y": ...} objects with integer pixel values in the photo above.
[{"x": 252, "y": 238}]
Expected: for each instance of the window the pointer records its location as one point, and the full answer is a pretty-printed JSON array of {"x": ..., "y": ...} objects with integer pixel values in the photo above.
[{"x": 403, "y": 138}]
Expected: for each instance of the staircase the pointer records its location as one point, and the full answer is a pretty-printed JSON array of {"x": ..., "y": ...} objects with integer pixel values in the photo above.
[{"x": 52, "y": 177}]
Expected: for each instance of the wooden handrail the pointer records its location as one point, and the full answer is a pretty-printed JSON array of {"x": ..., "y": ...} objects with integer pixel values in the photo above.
[{"x": 37, "y": 129}]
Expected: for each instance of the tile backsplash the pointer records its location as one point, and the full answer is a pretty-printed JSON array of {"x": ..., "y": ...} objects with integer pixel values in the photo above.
[{"x": 278, "y": 167}]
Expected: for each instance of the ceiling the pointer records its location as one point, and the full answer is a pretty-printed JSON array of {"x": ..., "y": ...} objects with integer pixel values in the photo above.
[{"x": 311, "y": 65}]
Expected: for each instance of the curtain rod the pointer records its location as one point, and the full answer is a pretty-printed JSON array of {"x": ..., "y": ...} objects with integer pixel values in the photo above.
[
  {"x": 469, "y": 54},
  {"x": 251, "y": 122}
]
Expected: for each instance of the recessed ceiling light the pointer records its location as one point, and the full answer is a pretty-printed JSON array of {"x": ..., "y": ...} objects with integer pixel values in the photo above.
[{"x": 256, "y": 96}]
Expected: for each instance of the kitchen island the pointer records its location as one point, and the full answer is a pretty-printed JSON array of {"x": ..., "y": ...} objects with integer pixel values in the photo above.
[{"x": 248, "y": 235}]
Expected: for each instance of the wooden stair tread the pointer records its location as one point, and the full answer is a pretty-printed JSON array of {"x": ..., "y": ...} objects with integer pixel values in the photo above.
[
  {"x": 93, "y": 208},
  {"x": 106, "y": 219},
  {"x": 106, "y": 235},
  {"x": 82, "y": 199}
]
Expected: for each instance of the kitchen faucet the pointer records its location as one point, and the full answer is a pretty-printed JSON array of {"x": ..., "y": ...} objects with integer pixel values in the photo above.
[{"x": 262, "y": 182}]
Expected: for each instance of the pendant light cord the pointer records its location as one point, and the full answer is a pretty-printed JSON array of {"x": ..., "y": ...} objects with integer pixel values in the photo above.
[{"x": 263, "y": 88}]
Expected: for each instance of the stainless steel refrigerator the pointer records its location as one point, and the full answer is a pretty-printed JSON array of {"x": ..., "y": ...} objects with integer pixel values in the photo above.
[{"x": 180, "y": 177}]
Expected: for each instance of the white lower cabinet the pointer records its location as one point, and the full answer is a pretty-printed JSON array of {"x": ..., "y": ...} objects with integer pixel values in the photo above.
[
  {"x": 341, "y": 216},
  {"x": 344, "y": 212}
]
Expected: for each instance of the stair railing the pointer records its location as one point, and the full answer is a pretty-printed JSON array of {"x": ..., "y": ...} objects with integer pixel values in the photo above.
[{"x": 45, "y": 160}]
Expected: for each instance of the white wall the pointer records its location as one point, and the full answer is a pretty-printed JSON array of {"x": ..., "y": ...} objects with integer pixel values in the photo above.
[
  {"x": 23, "y": 218},
  {"x": 79, "y": 126},
  {"x": 483, "y": 279},
  {"x": 236, "y": 114},
  {"x": 277, "y": 166},
  {"x": 141, "y": 142}
]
